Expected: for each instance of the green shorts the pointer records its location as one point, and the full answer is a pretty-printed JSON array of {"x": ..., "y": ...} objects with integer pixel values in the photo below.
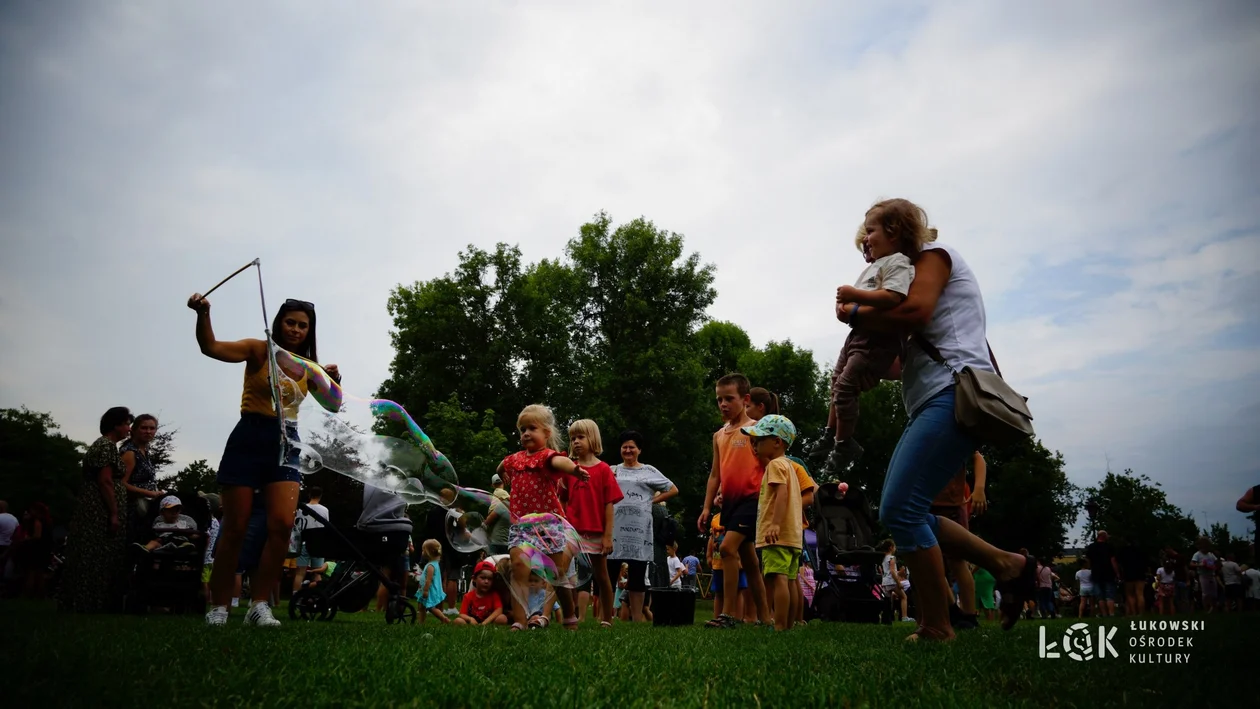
[
  {"x": 205, "y": 572},
  {"x": 780, "y": 560}
]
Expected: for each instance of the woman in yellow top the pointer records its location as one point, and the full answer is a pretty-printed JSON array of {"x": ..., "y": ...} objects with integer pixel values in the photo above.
[{"x": 251, "y": 458}]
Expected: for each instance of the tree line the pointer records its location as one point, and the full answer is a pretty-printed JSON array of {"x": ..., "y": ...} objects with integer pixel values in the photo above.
[{"x": 615, "y": 329}]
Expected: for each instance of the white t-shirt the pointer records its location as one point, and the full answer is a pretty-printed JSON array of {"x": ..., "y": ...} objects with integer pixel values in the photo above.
[
  {"x": 1231, "y": 572},
  {"x": 1166, "y": 575},
  {"x": 892, "y": 273},
  {"x": 675, "y": 564},
  {"x": 305, "y": 521},
  {"x": 887, "y": 567},
  {"x": 182, "y": 522},
  {"x": 1207, "y": 563},
  {"x": 1085, "y": 578},
  {"x": 8, "y": 525},
  {"x": 1254, "y": 590}
]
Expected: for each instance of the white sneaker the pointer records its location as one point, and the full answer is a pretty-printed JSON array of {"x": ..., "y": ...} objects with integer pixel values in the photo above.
[
  {"x": 260, "y": 615},
  {"x": 218, "y": 616},
  {"x": 907, "y": 619}
]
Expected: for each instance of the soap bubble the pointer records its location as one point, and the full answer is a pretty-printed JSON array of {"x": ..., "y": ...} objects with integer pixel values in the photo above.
[
  {"x": 551, "y": 549},
  {"x": 466, "y": 531},
  {"x": 309, "y": 460}
]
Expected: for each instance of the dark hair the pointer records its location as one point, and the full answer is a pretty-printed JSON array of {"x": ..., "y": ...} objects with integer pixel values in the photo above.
[
  {"x": 307, "y": 348},
  {"x": 631, "y": 436},
  {"x": 144, "y": 417},
  {"x": 740, "y": 381},
  {"x": 766, "y": 398},
  {"x": 114, "y": 418},
  {"x": 315, "y": 491}
]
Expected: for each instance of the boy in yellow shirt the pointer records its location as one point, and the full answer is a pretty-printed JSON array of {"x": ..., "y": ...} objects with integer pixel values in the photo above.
[{"x": 779, "y": 515}]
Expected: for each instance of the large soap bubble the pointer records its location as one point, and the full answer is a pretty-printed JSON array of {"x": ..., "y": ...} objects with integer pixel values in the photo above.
[{"x": 551, "y": 549}]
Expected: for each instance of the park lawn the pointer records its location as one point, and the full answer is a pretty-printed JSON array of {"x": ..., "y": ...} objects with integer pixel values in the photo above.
[{"x": 49, "y": 659}]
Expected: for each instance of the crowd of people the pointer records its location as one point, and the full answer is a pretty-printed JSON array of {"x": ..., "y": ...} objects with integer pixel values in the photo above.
[{"x": 916, "y": 313}]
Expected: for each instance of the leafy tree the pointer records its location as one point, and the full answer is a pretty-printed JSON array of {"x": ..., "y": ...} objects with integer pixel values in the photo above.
[
  {"x": 721, "y": 345},
  {"x": 793, "y": 375},
  {"x": 882, "y": 419},
  {"x": 1135, "y": 509},
  {"x": 195, "y": 477},
  {"x": 40, "y": 463},
  {"x": 162, "y": 448},
  {"x": 1032, "y": 503},
  {"x": 470, "y": 440},
  {"x": 1225, "y": 543}
]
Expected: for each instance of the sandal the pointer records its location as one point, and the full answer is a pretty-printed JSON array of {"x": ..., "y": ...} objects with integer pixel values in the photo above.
[
  {"x": 925, "y": 634},
  {"x": 571, "y": 623},
  {"x": 1018, "y": 591},
  {"x": 724, "y": 622},
  {"x": 538, "y": 622},
  {"x": 605, "y": 624},
  {"x": 516, "y": 626}
]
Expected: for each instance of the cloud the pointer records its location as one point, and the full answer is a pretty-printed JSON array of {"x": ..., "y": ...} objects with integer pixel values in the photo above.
[{"x": 1094, "y": 164}]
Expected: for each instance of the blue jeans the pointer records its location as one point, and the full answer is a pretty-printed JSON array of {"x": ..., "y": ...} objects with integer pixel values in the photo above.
[{"x": 930, "y": 453}]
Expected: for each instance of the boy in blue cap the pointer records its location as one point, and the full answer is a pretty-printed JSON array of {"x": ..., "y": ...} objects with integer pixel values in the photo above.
[{"x": 780, "y": 534}]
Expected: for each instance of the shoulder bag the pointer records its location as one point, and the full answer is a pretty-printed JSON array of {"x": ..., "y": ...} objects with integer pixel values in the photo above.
[{"x": 985, "y": 406}]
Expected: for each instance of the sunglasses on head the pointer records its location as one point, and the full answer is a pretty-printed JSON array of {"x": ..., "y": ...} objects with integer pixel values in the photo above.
[{"x": 306, "y": 305}]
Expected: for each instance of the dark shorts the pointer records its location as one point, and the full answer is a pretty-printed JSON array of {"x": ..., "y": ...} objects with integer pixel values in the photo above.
[
  {"x": 740, "y": 517},
  {"x": 1233, "y": 591},
  {"x": 716, "y": 585},
  {"x": 251, "y": 457},
  {"x": 635, "y": 579},
  {"x": 1105, "y": 590}
]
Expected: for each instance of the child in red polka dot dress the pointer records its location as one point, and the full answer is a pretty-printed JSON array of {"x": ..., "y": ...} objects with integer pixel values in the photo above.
[{"x": 531, "y": 475}]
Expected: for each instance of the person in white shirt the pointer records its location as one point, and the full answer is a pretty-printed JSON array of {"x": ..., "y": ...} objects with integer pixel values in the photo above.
[
  {"x": 675, "y": 566},
  {"x": 1165, "y": 597},
  {"x": 1085, "y": 578},
  {"x": 1231, "y": 573},
  {"x": 8, "y": 525},
  {"x": 1251, "y": 577},
  {"x": 301, "y": 523}
]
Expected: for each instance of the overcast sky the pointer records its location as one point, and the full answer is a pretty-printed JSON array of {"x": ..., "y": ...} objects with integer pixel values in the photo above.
[{"x": 1094, "y": 162}]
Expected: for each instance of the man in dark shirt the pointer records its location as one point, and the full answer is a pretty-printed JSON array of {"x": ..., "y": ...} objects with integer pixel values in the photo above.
[{"x": 1102, "y": 560}]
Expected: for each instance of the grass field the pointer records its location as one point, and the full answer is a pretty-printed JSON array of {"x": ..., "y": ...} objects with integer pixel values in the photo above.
[{"x": 49, "y": 659}]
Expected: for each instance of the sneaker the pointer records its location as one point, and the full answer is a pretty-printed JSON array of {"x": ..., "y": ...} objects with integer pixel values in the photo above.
[
  {"x": 260, "y": 615},
  {"x": 451, "y": 611},
  {"x": 844, "y": 453},
  {"x": 907, "y": 619},
  {"x": 961, "y": 620},
  {"x": 218, "y": 616},
  {"x": 236, "y": 603}
]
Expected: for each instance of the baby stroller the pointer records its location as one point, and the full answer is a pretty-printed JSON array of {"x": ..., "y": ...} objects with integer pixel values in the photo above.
[
  {"x": 844, "y": 523},
  {"x": 353, "y": 584},
  {"x": 169, "y": 577}
]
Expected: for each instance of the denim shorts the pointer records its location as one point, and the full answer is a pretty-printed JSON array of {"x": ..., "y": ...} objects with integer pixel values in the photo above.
[
  {"x": 930, "y": 453},
  {"x": 251, "y": 457}
]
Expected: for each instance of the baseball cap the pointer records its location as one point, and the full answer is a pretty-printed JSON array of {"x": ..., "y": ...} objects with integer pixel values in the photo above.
[
  {"x": 171, "y": 501},
  {"x": 773, "y": 425},
  {"x": 495, "y": 479},
  {"x": 485, "y": 566}
]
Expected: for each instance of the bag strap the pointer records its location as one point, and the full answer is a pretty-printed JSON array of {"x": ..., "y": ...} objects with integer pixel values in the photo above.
[{"x": 935, "y": 354}]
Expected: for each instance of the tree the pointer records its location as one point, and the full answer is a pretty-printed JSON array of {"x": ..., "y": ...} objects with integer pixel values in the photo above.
[
  {"x": 162, "y": 449},
  {"x": 195, "y": 477},
  {"x": 794, "y": 376},
  {"x": 1134, "y": 509},
  {"x": 882, "y": 419},
  {"x": 471, "y": 441},
  {"x": 40, "y": 463},
  {"x": 721, "y": 345},
  {"x": 1032, "y": 503},
  {"x": 1225, "y": 543}
]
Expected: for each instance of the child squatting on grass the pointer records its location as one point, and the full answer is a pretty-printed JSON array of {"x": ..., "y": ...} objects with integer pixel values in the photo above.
[
  {"x": 482, "y": 606},
  {"x": 531, "y": 474},
  {"x": 779, "y": 528}
]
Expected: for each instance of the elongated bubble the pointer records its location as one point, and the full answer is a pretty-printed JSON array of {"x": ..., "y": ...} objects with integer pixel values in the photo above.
[{"x": 551, "y": 549}]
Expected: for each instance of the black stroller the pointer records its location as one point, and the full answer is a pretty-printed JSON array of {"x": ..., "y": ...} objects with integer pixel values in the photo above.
[
  {"x": 169, "y": 577},
  {"x": 353, "y": 584},
  {"x": 844, "y": 523}
]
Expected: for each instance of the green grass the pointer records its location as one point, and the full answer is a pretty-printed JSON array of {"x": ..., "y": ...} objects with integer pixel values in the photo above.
[{"x": 49, "y": 659}]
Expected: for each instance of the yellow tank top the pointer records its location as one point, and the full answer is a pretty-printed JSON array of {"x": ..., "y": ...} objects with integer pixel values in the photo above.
[{"x": 256, "y": 395}]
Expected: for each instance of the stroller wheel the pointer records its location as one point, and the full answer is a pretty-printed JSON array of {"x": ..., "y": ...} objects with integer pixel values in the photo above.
[
  {"x": 400, "y": 610},
  {"x": 308, "y": 604}
]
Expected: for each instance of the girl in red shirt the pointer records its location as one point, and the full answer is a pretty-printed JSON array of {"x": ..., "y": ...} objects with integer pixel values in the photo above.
[
  {"x": 589, "y": 506},
  {"x": 531, "y": 474}
]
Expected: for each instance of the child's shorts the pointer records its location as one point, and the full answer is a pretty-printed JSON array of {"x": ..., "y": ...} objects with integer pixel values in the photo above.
[
  {"x": 592, "y": 543},
  {"x": 545, "y": 532},
  {"x": 780, "y": 560},
  {"x": 716, "y": 585}
]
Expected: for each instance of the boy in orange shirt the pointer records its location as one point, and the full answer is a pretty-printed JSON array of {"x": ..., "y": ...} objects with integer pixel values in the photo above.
[{"x": 736, "y": 473}]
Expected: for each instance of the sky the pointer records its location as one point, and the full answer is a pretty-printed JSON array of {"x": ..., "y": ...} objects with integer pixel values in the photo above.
[{"x": 1095, "y": 163}]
